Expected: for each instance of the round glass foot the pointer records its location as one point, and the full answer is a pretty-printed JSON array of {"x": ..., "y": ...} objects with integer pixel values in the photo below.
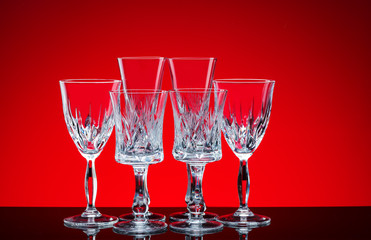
[
  {"x": 78, "y": 221},
  {"x": 254, "y": 221},
  {"x": 183, "y": 216},
  {"x": 150, "y": 216},
  {"x": 133, "y": 227},
  {"x": 199, "y": 227}
]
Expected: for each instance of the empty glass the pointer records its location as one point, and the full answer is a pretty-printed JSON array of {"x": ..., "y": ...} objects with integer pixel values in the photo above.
[
  {"x": 245, "y": 120},
  {"x": 191, "y": 72},
  {"x": 142, "y": 73},
  {"x": 89, "y": 118},
  {"x": 197, "y": 141},
  {"x": 139, "y": 122}
]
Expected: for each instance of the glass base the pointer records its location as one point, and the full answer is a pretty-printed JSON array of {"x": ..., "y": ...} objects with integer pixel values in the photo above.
[
  {"x": 150, "y": 216},
  {"x": 253, "y": 221},
  {"x": 133, "y": 228},
  {"x": 199, "y": 227},
  {"x": 89, "y": 231},
  {"x": 77, "y": 221},
  {"x": 183, "y": 216}
]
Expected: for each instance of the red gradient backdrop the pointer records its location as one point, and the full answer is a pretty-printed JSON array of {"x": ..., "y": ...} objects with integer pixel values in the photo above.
[{"x": 316, "y": 149}]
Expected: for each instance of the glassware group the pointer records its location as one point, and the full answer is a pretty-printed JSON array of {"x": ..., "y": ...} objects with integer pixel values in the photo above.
[{"x": 203, "y": 107}]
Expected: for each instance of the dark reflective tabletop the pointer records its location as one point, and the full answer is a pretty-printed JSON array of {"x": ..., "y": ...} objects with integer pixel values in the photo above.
[{"x": 287, "y": 223}]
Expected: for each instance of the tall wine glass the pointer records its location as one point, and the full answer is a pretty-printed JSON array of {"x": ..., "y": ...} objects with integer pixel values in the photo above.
[
  {"x": 139, "y": 122},
  {"x": 142, "y": 73},
  {"x": 89, "y": 118},
  {"x": 191, "y": 72},
  {"x": 245, "y": 120},
  {"x": 197, "y": 141}
]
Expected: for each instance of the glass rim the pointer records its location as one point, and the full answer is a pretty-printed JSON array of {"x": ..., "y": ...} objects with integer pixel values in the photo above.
[
  {"x": 143, "y": 57},
  {"x": 192, "y": 58},
  {"x": 196, "y": 90},
  {"x": 138, "y": 91},
  {"x": 90, "y": 80},
  {"x": 244, "y": 80}
]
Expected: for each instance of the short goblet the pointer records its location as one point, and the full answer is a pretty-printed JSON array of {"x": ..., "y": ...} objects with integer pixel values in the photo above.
[
  {"x": 89, "y": 118},
  {"x": 139, "y": 122},
  {"x": 191, "y": 72},
  {"x": 197, "y": 141},
  {"x": 245, "y": 120},
  {"x": 142, "y": 73}
]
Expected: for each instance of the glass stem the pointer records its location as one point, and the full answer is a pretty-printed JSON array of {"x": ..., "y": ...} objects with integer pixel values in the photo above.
[
  {"x": 141, "y": 199},
  {"x": 91, "y": 233},
  {"x": 196, "y": 205},
  {"x": 189, "y": 176},
  {"x": 146, "y": 192},
  {"x": 243, "y": 233},
  {"x": 243, "y": 236},
  {"x": 243, "y": 184},
  {"x": 91, "y": 190}
]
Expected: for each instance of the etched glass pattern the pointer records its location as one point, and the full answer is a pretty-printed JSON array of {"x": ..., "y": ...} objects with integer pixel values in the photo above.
[
  {"x": 88, "y": 114},
  {"x": 245, "y": 120},
  {"x": 139, "y": 126},
  {"x": 246, "y": 115},
  {"x": 142, "y": 73},
  {"x": 139, "y": 118},
  {"x": 197, "y": 125},
  {"x": 89, "y": 118},
  {"x": 191, "y": 72},
  {"x": 197, "y": 121}
]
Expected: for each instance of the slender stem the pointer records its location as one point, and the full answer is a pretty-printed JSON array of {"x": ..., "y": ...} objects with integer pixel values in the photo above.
[
  {"x": 146, "y": 191},
  {"x": 91, "y": 233},
  {"x": 243, "y": 233},
  {"x": 141, "y": 199},
  {"x": 189, "y": 176},
  {"x": 243, "y": 236},
  {"x": 243, "y": 184},
  {"x": 91, "y": 190},
  {"x": 196, "y": 205}
]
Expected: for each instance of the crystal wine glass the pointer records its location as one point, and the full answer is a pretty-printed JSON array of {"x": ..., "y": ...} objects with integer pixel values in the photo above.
[
  {"x": 139, "y": 122},
  {"x": 197, "y": 141},
  {"x": 245, "y": 120},
  {"x": 191, "y": 72},
  {"x": 89, "y": 117},
  {"x": 142, "y": 73}
]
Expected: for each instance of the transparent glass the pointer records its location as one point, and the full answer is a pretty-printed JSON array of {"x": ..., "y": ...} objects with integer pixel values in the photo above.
[
  {"x": 245, "y": 120},
  {"x": 138, "y": 118},
  {"x": 191, "y": 72},
  {"x": 91, "y": 232},
  {"x": 197, "y": 141},
  {"x": 142, "y": 73},
  {"x": 89, "y": 118},
  {"x": 198, "y": 236}
]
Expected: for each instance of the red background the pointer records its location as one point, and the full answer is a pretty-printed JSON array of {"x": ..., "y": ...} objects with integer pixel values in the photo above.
[{"x": 316, "y": 149}]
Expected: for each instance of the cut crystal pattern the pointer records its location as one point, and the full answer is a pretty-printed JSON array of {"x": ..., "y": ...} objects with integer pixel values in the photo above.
[{"x": 139, "y": 128}]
